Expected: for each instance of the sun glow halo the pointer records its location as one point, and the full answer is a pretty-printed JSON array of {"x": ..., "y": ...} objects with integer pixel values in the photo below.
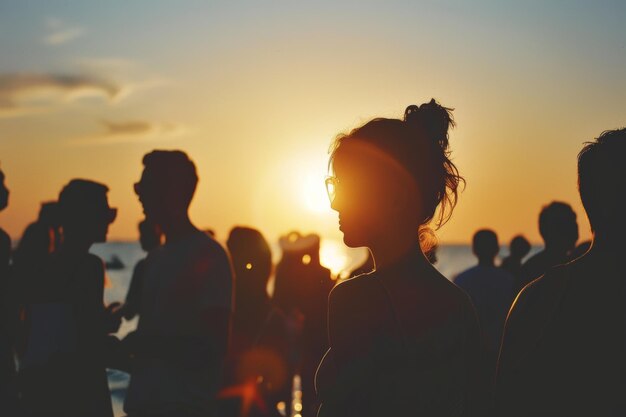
[
  {"x": 313, "y": 194},
  {"x": 334, "y": 257}
]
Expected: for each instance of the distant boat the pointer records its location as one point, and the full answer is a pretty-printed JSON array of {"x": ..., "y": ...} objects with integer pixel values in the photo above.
[{"x": 115, "y": 263}]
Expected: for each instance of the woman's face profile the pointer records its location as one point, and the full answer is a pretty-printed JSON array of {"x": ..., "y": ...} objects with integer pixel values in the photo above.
[
  {"x": 361, "y": 199},
  {"x": 96, "y": 225}
]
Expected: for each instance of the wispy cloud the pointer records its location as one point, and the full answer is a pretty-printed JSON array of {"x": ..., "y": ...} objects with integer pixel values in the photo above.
[
  {"x": 24, "y": 93},
  {"x": 105, "y": 64},
  {"x": 59, "y": 32},
  {"x": 138, "y": 78},
  {"x": 130, "y": 132}
]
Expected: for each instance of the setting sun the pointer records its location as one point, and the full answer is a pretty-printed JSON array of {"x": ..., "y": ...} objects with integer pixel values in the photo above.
[{"x": 313, "y": 194}]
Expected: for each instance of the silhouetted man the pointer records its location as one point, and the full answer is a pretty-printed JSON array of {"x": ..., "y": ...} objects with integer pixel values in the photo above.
[
  {"x": 559, "y": 230},
  {"x": 7, "y": 369},
  {"x": 518, "y": 249},
  {"x": 564, "y": 341},
  {"x": 186, "y": 300},
  {"x": 489, "y": 287}
]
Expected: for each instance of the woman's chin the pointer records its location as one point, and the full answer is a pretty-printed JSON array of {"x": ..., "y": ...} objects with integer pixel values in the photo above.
[{"x": 352, "y": 241}]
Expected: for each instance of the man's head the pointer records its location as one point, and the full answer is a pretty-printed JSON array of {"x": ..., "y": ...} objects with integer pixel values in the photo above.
[
  {"x": 485, "y": 245},
  {"x": 4, "y": 193},
  {"x": 84, "y": 211},
  {"x": 519, "y": 247},
  {"x": 558, "y": 227},
  {"x": 602, "y": 183},
  {"x": 167, "y": 185}
]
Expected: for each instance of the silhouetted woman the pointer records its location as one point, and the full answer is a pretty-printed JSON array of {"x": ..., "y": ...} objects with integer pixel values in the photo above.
[
  {"x": 62, "y": 369},
  {"x": 40, "y": 239},
  {"x": 404, "y": 341}
]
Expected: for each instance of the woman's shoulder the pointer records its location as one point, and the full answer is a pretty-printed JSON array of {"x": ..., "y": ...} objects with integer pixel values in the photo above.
[
  {"x": 363, "y": 282},
  {"x": 444, "y": 289},
  {"x": 362, "y": 289}
]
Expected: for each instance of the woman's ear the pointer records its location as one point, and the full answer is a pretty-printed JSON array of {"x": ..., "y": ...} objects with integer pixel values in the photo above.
[
  {"x": 402, "y": 202},
  {"x": 404, "y": 195}
]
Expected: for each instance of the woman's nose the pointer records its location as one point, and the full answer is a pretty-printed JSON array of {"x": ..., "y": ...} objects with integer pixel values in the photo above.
[{"x": 336, "y": 202}]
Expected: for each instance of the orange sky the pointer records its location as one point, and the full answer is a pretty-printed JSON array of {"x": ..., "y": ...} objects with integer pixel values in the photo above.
[{"x": 255, "y": 97}]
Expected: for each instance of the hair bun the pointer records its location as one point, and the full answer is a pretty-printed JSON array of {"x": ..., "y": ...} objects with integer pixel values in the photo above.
[{"x": 433, "y": 118}]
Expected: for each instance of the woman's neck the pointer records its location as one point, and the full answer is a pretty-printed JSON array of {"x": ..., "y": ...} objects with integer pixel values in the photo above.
[{"x": 396, "y": 248}]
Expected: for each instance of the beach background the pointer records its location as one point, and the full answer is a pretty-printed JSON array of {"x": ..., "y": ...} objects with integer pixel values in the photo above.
[
  {"x": 255, "y": 93},
  {"x": 452, "y": 259}
]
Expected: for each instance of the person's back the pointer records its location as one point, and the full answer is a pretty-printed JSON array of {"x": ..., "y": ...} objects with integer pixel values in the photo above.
[{"x": 563, "y": 347}]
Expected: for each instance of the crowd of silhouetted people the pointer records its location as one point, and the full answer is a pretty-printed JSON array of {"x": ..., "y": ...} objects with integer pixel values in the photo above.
[
  {"x": 194, "y": 352},
  {"x": 537, "y": 334}
]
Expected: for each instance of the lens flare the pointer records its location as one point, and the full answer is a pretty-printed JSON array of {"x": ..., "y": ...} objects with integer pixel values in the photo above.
[{"x": 333, "y": 256}]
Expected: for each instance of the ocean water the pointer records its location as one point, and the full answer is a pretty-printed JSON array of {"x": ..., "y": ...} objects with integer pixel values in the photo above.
[{"x": 452, "y": 259}]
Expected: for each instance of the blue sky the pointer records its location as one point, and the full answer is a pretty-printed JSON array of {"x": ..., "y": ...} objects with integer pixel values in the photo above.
[{"x": 255, "y": 91}]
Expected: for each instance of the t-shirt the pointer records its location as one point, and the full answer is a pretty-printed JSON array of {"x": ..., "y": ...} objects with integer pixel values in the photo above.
[
  {"x": 491, "y": 291},
  {"x": 179, "y": 360},
  {"x": 403, "y": 341}
]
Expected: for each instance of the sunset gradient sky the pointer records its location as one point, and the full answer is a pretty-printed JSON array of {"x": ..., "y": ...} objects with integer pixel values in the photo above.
[{"x": 255, "y": 92}]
